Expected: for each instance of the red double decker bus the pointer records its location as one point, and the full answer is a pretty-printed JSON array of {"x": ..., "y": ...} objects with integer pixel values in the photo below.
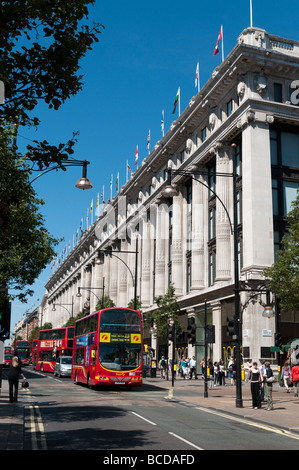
[
  {"x": 52, "y": 344},
  {"x": 108, "y": 348},
  {"x": 22, "y": 350},
  {"x": 34, "y": 352}
]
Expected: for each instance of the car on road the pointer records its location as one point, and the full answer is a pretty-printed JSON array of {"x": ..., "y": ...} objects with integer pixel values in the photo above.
[{"x": 63, "y": 366}]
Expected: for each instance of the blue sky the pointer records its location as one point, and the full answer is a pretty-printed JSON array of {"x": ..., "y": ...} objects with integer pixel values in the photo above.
[{"x": 146, "y": 51}]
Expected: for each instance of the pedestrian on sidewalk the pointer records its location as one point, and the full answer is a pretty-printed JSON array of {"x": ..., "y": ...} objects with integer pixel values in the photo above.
[
  {"x": 268, "y": 385},
  {"x": 13, "y": 379},
  {"x": 203, "y": 367},
  {"x": 193, "y": 367},
  {"x": 255, "y": 380},
  {"x": 232, "y": 371},
  {"x": 295, "y": 379},
  {"x": 216, "y": 373},
  {"x": 222, "y": 373},
  {"x": 162, "y": 366},
  {"x": 262, "y": 388},
  {"x": 286, "y": 376}
]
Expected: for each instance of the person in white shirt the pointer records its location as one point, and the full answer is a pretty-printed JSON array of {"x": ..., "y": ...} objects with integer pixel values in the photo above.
[{"x": 193, "y": 368}]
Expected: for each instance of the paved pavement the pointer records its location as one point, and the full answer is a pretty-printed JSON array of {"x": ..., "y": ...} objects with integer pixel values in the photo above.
[{"x": 223, "y": 399}]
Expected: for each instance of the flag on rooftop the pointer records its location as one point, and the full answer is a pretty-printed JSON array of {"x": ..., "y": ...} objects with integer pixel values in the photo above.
[
  {"x": 136, "y": 155},
  {"x": 220, "y": 37},
  {"x": 177, "y": 101},
  {"x": 149, "y": 141},
  {"x": 162, "y": 123},
  {"x": 197, "y": 77}
]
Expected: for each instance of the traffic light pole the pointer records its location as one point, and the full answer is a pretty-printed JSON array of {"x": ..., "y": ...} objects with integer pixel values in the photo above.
[{"x": 173, "y": 354}]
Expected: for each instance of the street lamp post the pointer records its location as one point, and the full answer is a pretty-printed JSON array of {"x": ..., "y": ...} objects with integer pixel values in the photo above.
[
  {"x": 100, "y": 260},
  {"x": 90, "y": 290},
  {"x": 63, "y": 306},
  {"x": 82, "y": 183},
  {"x": 169, "y": 191}
]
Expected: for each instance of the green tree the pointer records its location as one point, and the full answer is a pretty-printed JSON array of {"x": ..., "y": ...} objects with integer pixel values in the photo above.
[
  {"x": 41, "y": 44},
  {"x": 108, "y": 303},
  {"x": 284, "y": 274},
  {"x": 166, "y": 314},
  {"x": 72, "y": 320},
  {"x": 138, "y": 304},
  {"x": 26, "y": 247}
]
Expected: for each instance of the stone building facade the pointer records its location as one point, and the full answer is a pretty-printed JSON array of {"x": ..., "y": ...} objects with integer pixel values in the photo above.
[{"x": 251, "y": 100}]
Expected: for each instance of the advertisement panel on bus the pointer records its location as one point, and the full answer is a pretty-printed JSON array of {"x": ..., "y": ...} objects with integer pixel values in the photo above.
[{"x": 108, "y": 348}]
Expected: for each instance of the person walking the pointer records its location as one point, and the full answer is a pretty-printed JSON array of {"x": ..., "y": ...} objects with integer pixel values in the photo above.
[
  {"x": 232, "y": 371},
  {"x": 268, "y": 386},
  {"x": 193, "y": 367},
  {"x": 262, "y": 388},
  {"x": 255, "y": 380},
  {"x": 13, "y": 379},
  {"x": 286, "y": 376},
  {"x": 295, "y": 379},
  {"x": 162, "y": 366},
  {"x": 222, "y": 373},
  {"x": 216, "y": 373}
]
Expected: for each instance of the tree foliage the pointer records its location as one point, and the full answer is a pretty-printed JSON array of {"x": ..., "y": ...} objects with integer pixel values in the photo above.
[
  {"x": 165, "y": 315},
  {"x": 284, "y": 274},
  {"x": 41, "y": 44},
  {"x": 26, "y": 247}
]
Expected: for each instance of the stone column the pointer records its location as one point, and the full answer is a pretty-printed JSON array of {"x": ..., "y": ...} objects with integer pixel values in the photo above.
[
  {"x": 258, "y": 247},
  {"x": 145, "y": 255},
  {"x": 161, "y": 249},
  {"x": 198, "y": 238},
  {"x": 178, "y": 242},
  {"x": 223, "y": 231},
  {"x": 216, "y": 320}
]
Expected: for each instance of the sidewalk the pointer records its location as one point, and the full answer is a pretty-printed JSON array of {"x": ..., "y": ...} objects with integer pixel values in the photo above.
[
  {"x": 286, "y": 407},
  {"x": 223, "y": 399},
  {"x": 11, "y": 419}
]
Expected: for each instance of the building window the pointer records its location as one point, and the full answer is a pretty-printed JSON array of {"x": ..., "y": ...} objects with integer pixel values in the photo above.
[
  {"x": 170, "y": 248},
  {"x": 229, "y": 108},
  {"x": 212, "y": 267},
  {"x": 188, "y": 287},
  {"x": 203, "y": 134},
  {"x": 278, "y": 92},
  {"x": 284, "y": 147}
]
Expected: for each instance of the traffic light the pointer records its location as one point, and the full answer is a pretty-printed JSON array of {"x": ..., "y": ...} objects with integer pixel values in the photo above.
[
  {"x": 277, "y": 339},
  {"x": 210, "y": 334},
  {"x": 5, "y": 311},
  {"x": 170, "y": 334},
  {"x": 191, "y": 330},
  {"x": 230, "y": 321},
  {"x": 179, "y": 335}
]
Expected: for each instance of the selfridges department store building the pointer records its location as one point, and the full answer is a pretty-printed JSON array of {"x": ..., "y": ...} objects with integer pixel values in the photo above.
[{"x": 251, "y": 101}]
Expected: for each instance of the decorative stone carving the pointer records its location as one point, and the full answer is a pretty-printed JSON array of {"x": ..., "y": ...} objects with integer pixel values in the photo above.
[
  {"x": 241, "y": 88},
  {"x": 212, "y": 120},
  {"x": 260, "y": 84}
]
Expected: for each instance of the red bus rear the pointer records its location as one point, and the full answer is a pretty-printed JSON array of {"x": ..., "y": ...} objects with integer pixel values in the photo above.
[
  {"x": 52, "y": 344},
  {"x": 22, "y": 350},
  {"x": 108, "y": 348}
]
